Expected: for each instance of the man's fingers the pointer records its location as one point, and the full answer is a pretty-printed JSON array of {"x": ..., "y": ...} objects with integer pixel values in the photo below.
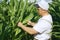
[
  {"x": 29, "y": 23},
  {"x": 19, "y": 24}
]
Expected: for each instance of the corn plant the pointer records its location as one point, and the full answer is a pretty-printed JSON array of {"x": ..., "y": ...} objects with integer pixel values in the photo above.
[
  {"x": 12, "y": 12},
  {"x": 55, "y": 12}
]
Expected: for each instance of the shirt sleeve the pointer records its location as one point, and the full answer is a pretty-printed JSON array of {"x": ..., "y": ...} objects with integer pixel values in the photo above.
[{"x": 41, "y": 26}]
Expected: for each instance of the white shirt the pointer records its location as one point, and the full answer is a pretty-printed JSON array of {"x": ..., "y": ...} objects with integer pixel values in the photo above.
[{"x": 44, "y": 27}]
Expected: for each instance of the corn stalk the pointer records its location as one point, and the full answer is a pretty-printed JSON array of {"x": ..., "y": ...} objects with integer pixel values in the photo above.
[
  {"x": 55, "y": 12},
  {"x": 12, "y": 12}
]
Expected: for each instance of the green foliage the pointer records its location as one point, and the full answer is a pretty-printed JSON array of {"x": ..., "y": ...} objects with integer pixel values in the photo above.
[
  {"x": 55, "y": 12},
  {"x": 10, "y": 14}
]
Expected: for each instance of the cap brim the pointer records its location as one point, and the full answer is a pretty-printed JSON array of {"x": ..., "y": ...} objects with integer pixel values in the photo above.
[{"x": 37, "y": 6}]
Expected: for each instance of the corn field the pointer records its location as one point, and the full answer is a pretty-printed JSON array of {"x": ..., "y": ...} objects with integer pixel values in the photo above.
[
  {"x": 55, "y": 12},
  {"x": 14, "y": 11}
]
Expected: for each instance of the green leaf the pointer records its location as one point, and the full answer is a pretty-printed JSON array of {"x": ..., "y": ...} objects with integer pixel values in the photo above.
[
  {"x": 29, "y": 17},
  {"x": 17, "y": 30}
]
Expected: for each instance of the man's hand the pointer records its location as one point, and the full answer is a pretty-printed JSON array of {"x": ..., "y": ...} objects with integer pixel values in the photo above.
[
  {"x": 31, "y": 23},
  {"x": 20, "y": 24}
]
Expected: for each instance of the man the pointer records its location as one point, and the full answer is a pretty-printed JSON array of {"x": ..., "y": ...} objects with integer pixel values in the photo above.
[{"x": 43, "y": 27}]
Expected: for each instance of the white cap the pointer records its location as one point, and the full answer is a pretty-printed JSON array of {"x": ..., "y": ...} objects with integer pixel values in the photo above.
[{"x": 43, "y": 4}]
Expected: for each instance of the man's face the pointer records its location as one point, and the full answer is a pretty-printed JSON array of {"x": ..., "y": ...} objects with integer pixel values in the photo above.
[{"x": 40, "y": 11}]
